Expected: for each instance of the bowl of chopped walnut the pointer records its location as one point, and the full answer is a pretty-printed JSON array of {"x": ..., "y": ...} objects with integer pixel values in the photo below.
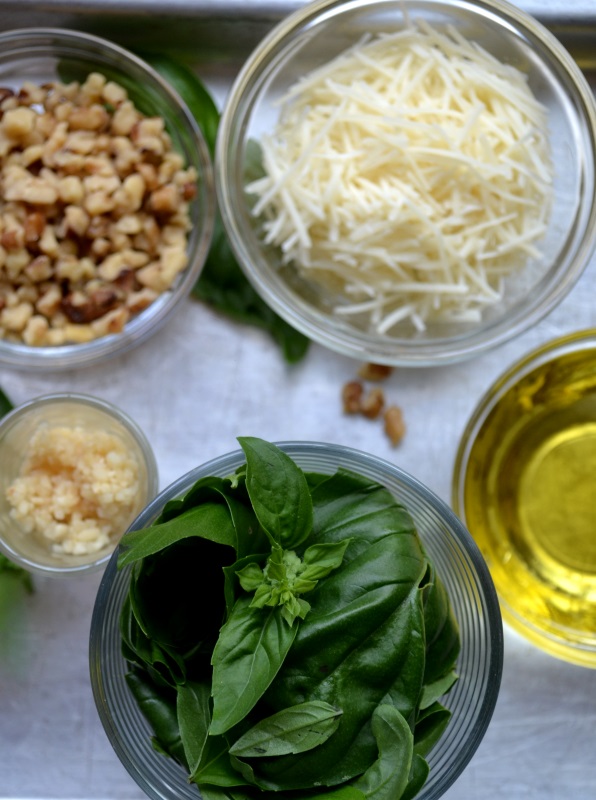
[{"x": 107, "y": 203}]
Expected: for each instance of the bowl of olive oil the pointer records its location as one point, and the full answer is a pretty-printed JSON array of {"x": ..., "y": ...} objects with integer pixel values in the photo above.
[{"x": 525, "y": 487}]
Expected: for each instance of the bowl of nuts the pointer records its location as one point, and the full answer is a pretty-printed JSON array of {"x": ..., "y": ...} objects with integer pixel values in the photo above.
[{"x": 108, "y": 202}]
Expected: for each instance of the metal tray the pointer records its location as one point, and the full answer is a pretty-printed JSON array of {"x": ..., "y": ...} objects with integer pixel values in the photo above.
[{"x": 539, "y": 745}]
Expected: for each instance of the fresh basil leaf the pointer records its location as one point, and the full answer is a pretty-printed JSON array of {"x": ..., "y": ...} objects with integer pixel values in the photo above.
[
  {"x": 321, "y": 559},
  {"x": 282, "y": 580},
  {"x": 166, "y": 668},
  {"x": 294, "y": 608},
  {"x": 194, "y": 716},
  {"x": 222, "y": 283},
  {"x": 430, "y": 726},
  {"x": 418, "y": 776},
  {"x": 434, "y": 691},
  {"x": 191, "y": 90},
  {"x": 224, "y": 286},
  {"x": 335, "y": 793},
  {"x": 387, "y": 778},
  {"x": 278, "y": 492},
  {"x": 8, "y": 567},
  {"x": 231, "y": 576},
  {"x": 215, "y": 767},
  {"x": 5, "y": 404},
  {"x": 372, "y": 621},
  {"x": 251, "y": 577},
  {"x": 209, "y": 521},
  {"x": 292, "y": 730},
  {"x": 249, "y": 652},
  {"x": 364, "y": 636},
  {"x": 226, "y": 793},
  {"x": 250, "y": 536},
  {"x": 159, "y": 709},
  {"x": 169, "y": 591},
  {"x": 442, "y": 631},
  {"x": 15, "y": 584}
]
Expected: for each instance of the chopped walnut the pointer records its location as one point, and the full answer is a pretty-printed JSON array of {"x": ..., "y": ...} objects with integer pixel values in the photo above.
[
  {"x": 373, "y": 403},
  {"x": 352, "y": 397},
  {"x": 94, "y": 212},
  {"x": 374, "y": 372},
  {"x": 395, "y": 427}
]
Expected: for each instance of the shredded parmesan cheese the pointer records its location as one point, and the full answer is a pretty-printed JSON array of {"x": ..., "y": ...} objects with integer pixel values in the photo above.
[{"x": 408, "y": 178}]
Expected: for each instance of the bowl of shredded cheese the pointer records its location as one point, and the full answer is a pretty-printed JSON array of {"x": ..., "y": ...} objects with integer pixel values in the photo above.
[
  {"x": 108, "y": 200},
  {"x": 409, "y": 182},
  {"x": 76, "y": 472}
]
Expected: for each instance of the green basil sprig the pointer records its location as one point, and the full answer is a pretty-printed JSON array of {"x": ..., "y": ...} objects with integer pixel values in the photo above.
[
  {"x": 222, "y": 283},
  {"x": 5, "y": 404},
  {"x": 334, "y": 697},
  {"x": 13, "y": 578}
]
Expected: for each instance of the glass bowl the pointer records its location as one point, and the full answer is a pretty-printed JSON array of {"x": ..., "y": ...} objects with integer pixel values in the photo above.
[
  {"x": 457, "y": 560},
  {"x": 40, "y": 55},
  {"x": 123, "y": 448},
  {"x": 523, "y": 485},
  {"x": 311, "y": 37}
]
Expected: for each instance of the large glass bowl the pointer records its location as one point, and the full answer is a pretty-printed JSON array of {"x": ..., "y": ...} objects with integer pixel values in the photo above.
[
  {"x": 457, "y": 560},
  {"x": 311, "y": 37},
  {"x": 39, "y": 55}
]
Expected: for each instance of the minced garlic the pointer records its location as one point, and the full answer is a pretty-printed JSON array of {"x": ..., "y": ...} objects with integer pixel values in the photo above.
[{"x": 77, "y": 490}]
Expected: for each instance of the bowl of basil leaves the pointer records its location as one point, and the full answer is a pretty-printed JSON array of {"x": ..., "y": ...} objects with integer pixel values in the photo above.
[{"x": 299, "y": 620}]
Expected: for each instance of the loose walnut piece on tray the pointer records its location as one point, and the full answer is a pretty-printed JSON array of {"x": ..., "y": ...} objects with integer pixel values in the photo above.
[
  {"x": 94, "y": 211},
  {"x": 371, "y": 403}
]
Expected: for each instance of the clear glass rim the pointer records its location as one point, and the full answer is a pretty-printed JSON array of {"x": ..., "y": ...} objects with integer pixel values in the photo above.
[
  {"x": 576, "y": 253},
  {"x": 55, "y": 398},
  {"x": 35, "y": 41},
  {"x": 226, "y": 464}
]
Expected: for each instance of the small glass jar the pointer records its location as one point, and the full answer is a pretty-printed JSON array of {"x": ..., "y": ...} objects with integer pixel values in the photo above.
[{"x": 75, "y": 473}]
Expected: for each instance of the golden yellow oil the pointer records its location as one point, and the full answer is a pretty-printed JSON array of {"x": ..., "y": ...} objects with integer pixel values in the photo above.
[{"x": 529, "y": 500}]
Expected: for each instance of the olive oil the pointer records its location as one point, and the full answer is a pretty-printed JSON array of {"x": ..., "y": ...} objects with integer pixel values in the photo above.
[{"x": 529, "y": 500}]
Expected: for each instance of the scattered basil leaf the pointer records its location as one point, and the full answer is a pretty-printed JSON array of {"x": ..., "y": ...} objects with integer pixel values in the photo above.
[
  {"x": 5, "y": 404},
  {"x": 191, "y": 90},
  {"x": 292, "y": 730},
  {"x": 13, "y": 579},
  {"x": 15, "y": 584},
  {"x": 222, "y": 283},
  {"x": 16, "y": 572}
]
